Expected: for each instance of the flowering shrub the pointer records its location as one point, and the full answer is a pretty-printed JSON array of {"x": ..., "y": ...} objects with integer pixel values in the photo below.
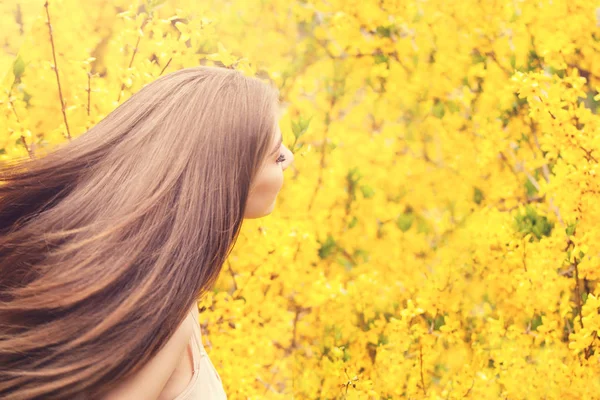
[{"x": 438, "y": 236}]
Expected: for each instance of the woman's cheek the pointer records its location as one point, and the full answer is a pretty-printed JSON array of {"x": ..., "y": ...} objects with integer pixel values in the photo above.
[
  {"x": 271, "y": 185},
  {"x": 263, "y": 196},
  {"x": 278, "y": 180}
]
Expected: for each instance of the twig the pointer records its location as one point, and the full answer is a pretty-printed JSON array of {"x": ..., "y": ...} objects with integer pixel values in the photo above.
[
  {"x": 590, "y": 348},
  {"x": 135, "y": 50},
  {"x": 165, "y": 67},
  {"x": 578, "y": 292},
  {"x": 323, "y": 154},
  {"x": 567, "y": 272},
  {"x": 89, "y": 91},
  {"x": 589, "y": 154},
  {"x": 469, "y": 391},
  {"x": 267, "y": 385},
  {"x": 574, "y": 265},
  {"x": 545, "y": 170},
  {"x": 528, "y": 200},
  {"x": 61, "y": 98},
  {"x": 298, "y": 310},
  {"x": 568, "y": 325},
  {"x": 546, "y": 174},
  {"x": 505, "y": 161},
  {"x": 321, "y": 168},
  {"x": 235, "y": 286},
  {"x": 29, "y": 151},
  {"x": 492, "y": 55},
  {"x": 12, "y": 106},
  {"x": 296, "y": 317},
  {"x": 421, "y": 365}
]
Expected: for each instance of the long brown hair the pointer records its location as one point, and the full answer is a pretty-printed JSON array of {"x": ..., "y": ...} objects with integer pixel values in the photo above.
[{"x": 106, "y": 242}]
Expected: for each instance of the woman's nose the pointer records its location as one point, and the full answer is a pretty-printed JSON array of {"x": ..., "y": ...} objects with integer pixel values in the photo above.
[{"x": 289, "y": 158}]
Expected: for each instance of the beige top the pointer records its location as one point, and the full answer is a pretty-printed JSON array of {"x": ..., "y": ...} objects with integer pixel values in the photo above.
[{"x": 206, "y": 383}]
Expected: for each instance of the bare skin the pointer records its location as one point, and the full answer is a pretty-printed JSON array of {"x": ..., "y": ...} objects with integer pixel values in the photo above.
[
  {"x": 164, "y": 377},
  {"x": 182, "y": 374}
]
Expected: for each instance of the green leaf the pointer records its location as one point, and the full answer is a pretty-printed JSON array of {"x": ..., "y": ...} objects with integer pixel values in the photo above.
[
  {"x": 18, "y": 67},
  {"x": 535, "y": 322},
  {"x": 384, "y": 31},
  {"x": 328, "y": 247},
  {"x": 382, "y": 339},
  {"x": 422, "y": 225},
  {"x": 380, "y": 58},
  {"x": 452, "y": 106},
  {"x": 570, "y": 229},
  {"x": 438, "y": 109},
  {"x": 362, "y": 254},
  {"x": 477, "y": 195},
  {"x": 300, "y": 126},
  {"x": 438, "y": 322},
  {"x": 353, "y": 222},
  {"x": 532, "y": 223},
  {"x": 367, "y": 191},
  {"x": 405, "y": 220},
  {"x": 530, "y": 189}
]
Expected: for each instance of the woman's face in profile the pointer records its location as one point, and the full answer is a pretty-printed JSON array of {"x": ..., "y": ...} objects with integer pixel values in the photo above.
[{"x": 268, "y": 182}]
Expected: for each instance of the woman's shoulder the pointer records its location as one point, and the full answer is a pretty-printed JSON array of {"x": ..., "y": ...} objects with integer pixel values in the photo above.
[{"x": 149, "y": 382}]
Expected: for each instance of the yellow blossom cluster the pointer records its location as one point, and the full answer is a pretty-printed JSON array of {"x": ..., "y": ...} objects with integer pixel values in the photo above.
[{"x": 438, "y": 236}]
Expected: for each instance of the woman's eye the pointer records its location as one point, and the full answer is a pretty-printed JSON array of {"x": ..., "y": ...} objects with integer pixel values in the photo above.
[{"x": 281, "y": 158}]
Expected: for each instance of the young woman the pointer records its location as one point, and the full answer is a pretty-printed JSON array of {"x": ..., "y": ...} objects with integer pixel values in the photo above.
[{"x": 106, "y": 243}]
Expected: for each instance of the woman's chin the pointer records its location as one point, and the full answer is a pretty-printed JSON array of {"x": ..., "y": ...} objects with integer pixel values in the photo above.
[
  {"x": 269, "y": 209},
  {"x": 263, "y": 213}
]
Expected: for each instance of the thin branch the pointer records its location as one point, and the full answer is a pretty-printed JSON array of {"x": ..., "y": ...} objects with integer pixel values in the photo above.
[
  {"x": 29, "y": 151},
  {"x": 492, "y": 55},
  {"x": 569, "y": 327},
  {"x": 60, "y": 94},
  {"x": 297, "y": 252},
  {"x": 567, "y": 272},
  {"x": 574, "y": 265},
  {"x": 588, "y": 154},
  {"x": 521, "y": 168},
  {"x": 590, "y": 348},
  {"x": 12, "y": 106},
  {"x": 545, "y": 170},
  {"x": 89, "y": 91},
  {"x": 525, "y": 255},
  {"x": 323, "y": 152},
  {"x": 421, "y": 367},
  {"x": 528, "y": 200},
  {"x": 135, "y": 50},
  {"x": 578, "y": 292},
  {"x": 505, "y": 161},
  {"x": 19, "y": 19},
  {"x": 235, "y": 286},
  {"x": 165, "y": 67},
  {"x": 268, "y": 386},
  {"x": 294, "y": 333},
  {"x": 469, "y": 391},
  {"x": 546, "y": 174},
  {"x": 321, "y": 168},
  {"x": 298, "y": 310}
]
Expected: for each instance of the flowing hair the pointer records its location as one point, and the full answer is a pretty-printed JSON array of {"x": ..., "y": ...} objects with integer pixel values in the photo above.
[{"x": 107, "y": 241}]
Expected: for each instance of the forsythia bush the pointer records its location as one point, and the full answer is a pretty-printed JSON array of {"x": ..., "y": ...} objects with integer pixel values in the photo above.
[{"x": 439, "y": 234}]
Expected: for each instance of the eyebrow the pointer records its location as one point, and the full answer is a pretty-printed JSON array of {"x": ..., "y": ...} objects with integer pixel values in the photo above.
[{"x": 278, "y": 145}]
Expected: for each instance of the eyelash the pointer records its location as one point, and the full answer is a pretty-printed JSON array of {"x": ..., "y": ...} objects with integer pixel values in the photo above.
[{"x": 280, "y": 159}]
